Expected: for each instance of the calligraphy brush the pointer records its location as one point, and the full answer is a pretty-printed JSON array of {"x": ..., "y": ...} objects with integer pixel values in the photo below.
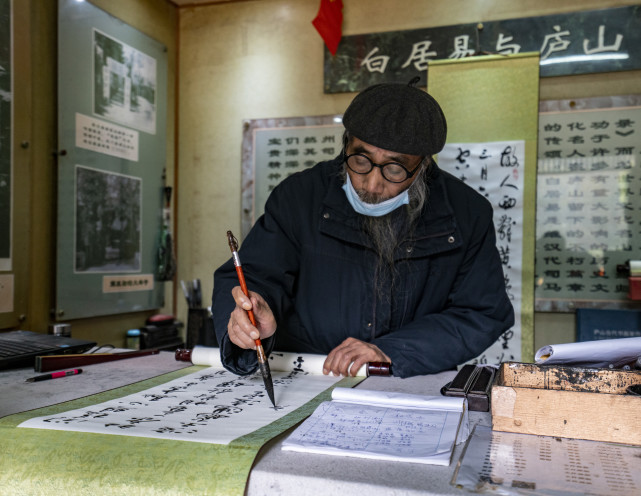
[{"x": 262, "y": 359}]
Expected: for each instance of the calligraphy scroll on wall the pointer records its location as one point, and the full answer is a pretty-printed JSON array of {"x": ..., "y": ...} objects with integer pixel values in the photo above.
[
  {"x": 588, "y": 202},
  {"x": 491, "y": 105},
  {"x": 495, "y": 169}
]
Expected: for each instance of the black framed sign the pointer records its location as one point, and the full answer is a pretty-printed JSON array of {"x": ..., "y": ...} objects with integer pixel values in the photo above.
[{"x": 580, "y": 42}]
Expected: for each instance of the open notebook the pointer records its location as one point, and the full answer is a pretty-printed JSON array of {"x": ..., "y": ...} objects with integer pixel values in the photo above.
[
  {"x": 385, "y": 426},
  {"x": 20, "y": 348}
]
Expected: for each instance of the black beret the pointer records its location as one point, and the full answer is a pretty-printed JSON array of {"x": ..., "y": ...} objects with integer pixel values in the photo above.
[{"x": 397, "y": 117}]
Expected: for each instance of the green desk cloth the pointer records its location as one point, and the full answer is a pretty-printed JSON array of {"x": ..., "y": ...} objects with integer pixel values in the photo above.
[{"x": 37, "y": 461}]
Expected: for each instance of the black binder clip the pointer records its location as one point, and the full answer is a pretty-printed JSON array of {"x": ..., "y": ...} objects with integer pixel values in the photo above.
[{"x": 473, "y": 382}]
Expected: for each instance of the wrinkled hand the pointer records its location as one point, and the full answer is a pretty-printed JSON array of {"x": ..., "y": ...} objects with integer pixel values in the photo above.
[
  {"x": 352, "y": 351},
  {"x": 240, "y": 329}
]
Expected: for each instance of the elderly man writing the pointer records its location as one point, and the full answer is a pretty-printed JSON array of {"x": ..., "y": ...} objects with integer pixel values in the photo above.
[{"x": 377, "y": 255}]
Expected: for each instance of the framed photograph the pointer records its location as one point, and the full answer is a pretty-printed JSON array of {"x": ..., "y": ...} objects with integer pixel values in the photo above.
[
  {"x": 108, "y": 221},
  {"x": 124, "y": 83}
]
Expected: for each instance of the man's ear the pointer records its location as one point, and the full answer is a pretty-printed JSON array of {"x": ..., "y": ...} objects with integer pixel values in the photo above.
[{"x": 346, "y": 140}]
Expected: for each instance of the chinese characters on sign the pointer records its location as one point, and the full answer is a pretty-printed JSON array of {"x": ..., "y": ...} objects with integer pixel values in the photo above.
[
  {"x": 279, "y": 152},
  {"x": 573, "y": 43},
  {"x": 104, "y": 137},
  {"x": 496, "y": 171},
  {"x": 588, "y": 203},
  {"x": 125, "y": 283}
]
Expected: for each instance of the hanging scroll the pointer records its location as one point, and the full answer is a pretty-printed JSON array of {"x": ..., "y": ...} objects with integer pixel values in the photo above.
[
  {"x": 497, "y": 156},
  {"x": 496, "y": 171}
]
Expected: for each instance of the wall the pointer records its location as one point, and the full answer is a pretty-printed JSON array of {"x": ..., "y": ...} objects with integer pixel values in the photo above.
[
  {"x": 236, "y": 60},
  {"x": 35, "y": 165},
  {"x": 261, "y": 59}
]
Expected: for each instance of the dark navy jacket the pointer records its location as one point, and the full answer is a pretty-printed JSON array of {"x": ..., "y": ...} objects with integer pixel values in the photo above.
[{"x": 309, "y": 259}]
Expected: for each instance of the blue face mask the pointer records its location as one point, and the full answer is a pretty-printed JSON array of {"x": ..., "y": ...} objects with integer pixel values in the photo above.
[{"x": 373, "y": 209}]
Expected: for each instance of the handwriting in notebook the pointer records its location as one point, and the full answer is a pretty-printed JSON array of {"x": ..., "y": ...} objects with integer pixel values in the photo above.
[
  {"x": 389, "y": 426},
  {"x": 400, "y": 432}
]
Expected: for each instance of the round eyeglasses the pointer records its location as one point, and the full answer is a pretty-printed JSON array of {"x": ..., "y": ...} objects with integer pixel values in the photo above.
[{"x": 391, "y": 171}]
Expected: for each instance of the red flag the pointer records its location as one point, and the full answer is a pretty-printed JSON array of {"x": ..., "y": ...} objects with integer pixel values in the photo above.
[{"x": 329, "y": 23}]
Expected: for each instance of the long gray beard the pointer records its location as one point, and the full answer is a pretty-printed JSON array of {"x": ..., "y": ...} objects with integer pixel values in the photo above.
[{"x": 389, "y": 231}]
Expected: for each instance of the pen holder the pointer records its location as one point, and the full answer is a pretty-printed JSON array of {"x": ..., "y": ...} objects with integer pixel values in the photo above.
[{"x": 200, "y": 328}]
